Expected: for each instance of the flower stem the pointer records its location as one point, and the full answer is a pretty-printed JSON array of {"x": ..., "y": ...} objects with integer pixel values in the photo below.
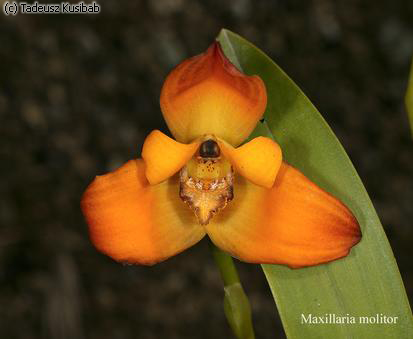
[
  {"x": 225, "y": 265},
  {"x": 236, "y": 304}
]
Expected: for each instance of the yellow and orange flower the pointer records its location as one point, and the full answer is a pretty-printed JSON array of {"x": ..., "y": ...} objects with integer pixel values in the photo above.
[{"x": 249, "y": 202}]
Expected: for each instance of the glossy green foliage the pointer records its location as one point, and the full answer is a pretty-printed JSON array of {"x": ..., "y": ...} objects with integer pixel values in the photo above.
[{"x": 366, "y": 283}]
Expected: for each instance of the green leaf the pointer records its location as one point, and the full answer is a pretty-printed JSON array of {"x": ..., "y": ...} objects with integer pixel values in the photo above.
[
  {"x": 409, "y": 98},
  {"x": 367, "y": 282}
]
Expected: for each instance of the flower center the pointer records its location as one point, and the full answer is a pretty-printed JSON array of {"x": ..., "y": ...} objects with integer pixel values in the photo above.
[
  {"x": 209, "y": 149},
  {"x": 206, "y": 182}
]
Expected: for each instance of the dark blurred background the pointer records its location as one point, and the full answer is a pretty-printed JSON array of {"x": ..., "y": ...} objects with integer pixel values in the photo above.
[{"x": 78, "y": 95}]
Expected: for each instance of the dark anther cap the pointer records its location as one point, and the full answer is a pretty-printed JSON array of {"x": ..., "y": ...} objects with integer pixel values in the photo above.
[{"x": 209, "y": 149}]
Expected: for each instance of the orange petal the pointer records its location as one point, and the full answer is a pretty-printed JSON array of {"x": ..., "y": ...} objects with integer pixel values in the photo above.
[
  {"x": 258, "y": 160},
  {"x": 164, "y": 156},
  {"x": 134, "y": 222},
  {"x": 206, "y": 94},
  {"x": 295, "y": 223}
]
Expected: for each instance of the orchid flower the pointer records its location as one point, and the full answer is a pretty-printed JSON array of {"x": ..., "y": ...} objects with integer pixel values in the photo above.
[{"x": 245, "y": 198}]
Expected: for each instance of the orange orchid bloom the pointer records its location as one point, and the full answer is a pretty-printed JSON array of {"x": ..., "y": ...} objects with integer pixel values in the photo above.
[{"x": 249, "y": 202}]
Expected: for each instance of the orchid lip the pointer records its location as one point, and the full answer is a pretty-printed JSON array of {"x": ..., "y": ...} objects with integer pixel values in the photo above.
[{"x": 206, "y": 181}]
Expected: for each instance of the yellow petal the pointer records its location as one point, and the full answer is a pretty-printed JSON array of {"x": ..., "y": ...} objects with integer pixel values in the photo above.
[
  {"x": 258, "y": 160},
  {"x": 206, "y": 94},
  {"x": 164, "y": 156},
  {"x": 134, "y": 222},
  {"x": 295, "y": 223}
]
